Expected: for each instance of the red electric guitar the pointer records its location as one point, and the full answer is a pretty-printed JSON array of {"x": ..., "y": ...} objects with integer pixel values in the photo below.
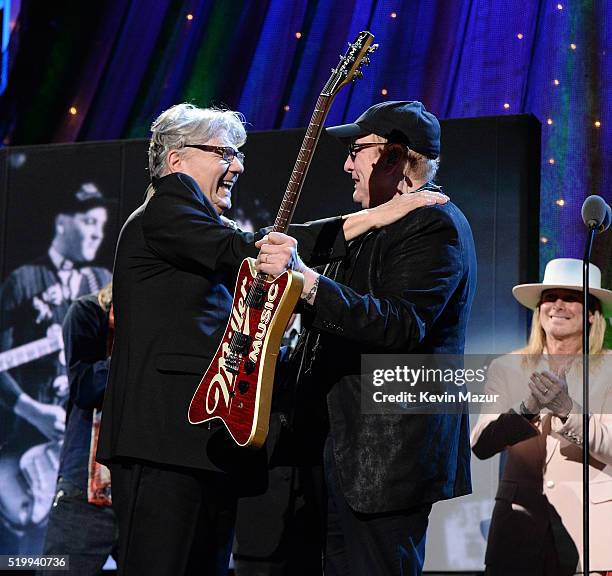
[{"x": 237, "y": 387}]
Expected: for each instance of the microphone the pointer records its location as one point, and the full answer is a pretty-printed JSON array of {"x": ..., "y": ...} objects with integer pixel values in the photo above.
[
  {"x": 608, "y": 218},
  {"x": 596, "y": 214}
]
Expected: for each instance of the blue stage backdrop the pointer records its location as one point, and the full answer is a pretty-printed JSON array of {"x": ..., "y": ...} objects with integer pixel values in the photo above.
[{"x": 79, "y": 71}]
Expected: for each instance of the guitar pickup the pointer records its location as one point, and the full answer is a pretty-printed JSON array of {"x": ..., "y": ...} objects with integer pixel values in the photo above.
[
  {"x": 255, "y": 297},
  {"x": 240, "y": 343}
]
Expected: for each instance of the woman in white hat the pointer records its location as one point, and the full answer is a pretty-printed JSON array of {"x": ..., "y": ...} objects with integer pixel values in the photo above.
[{"x": 536, "y": 528}]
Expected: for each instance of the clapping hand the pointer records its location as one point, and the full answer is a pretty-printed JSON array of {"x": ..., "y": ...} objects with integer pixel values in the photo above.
[{"x": 550, "y": 391}]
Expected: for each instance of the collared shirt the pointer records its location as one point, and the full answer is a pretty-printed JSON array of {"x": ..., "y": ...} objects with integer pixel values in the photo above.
[{"x": 68, "y": 273}]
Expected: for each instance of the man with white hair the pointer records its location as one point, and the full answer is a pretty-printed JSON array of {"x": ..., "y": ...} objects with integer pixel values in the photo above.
[{"x": 174, "y": 484}]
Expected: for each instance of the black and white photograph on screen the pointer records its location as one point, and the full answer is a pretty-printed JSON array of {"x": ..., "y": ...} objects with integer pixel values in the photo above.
[{"x": 56, "y": 251}]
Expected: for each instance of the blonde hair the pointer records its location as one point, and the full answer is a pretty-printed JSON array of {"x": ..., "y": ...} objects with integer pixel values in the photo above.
[
  {"x": 537, "y": 337},
  {"x": 105, "y": 297}
]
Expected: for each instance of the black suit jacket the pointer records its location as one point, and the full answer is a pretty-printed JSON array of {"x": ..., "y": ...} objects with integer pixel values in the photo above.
[
  {"x": 174, "y": 275},
  {"x": 406, "y": 288}
]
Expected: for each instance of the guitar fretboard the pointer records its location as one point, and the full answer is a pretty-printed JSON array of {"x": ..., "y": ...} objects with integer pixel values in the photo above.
[
  {"x": 343, "y": 73},
  {"x": 28, "y": 353},
  {"x": 296, "y": 181}
]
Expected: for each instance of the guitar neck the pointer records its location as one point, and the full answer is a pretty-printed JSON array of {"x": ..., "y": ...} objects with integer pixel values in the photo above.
[
  {"x": 28, "y": 353},
  {"x": 345, "y": 72},
  {"x": 296, "y": 181}
]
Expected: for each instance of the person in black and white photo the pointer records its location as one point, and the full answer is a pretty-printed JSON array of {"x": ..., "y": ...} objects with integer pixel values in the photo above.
[{"x": 34, "y": 299}]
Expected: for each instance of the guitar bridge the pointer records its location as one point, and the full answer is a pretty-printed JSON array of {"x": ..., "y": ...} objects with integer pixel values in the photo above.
[{"x": 232, "y": 363}]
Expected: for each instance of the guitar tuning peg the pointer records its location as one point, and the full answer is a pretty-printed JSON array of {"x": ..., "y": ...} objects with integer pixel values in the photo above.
[
  {"x": 373, "y": 48},
  {"x": 366, "y": 61},
  {"x": 358, "y": 74},
  {"x": 333, "y": 70}
]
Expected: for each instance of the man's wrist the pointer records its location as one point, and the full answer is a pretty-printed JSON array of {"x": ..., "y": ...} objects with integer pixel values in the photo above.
[
  {"x": 311, "y": 285},
  {"x": 24, "y": 405},
  {"x": 564, "y": 415}
]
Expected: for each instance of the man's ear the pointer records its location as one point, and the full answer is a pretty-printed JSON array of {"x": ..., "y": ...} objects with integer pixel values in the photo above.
[
  {"x": 60, "y": 223},
  {"x": 394, "y": 161},
  {"x": 173, "y": 161},
  {"x": 394, "y": 154},
  {"x": 392, "y": 157}
]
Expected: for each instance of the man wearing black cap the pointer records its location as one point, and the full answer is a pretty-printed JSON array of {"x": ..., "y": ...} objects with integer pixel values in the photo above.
[
  {"x": 33, "y": 302},
  {"x": 404, "y": 288}
]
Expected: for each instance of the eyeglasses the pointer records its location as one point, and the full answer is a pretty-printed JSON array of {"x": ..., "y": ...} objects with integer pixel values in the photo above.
[
  {"x": 228, "y": 153},
  {"x": 355, "y": 148}
]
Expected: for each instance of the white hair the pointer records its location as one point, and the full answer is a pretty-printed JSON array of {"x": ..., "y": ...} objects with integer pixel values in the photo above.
[
  {"x": 417, "y": 166},
  {"x": 421, "y": 167},
  {"x": 187, "y": 124}
]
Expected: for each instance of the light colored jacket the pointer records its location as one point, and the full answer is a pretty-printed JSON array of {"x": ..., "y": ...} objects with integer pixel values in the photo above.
[{"x": 544, "y": 458}]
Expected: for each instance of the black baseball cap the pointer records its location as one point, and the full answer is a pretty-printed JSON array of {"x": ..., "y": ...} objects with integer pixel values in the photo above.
[
  {"x": 397, "y": 121},
  {"x": 88, "y": 196}
]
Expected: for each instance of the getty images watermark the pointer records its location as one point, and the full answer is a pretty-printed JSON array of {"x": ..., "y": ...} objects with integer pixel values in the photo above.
[{"x": 488, "y": 384}]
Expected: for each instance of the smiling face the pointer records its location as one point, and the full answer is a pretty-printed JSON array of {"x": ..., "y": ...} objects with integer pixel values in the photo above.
[
  {"x": 561, "y": 313},
  {"x": 215, "y": 176},
  {"x": 376, "y": 170},
  {"x": 79, "y": 235},
  {"x": 360, "y": 167}
]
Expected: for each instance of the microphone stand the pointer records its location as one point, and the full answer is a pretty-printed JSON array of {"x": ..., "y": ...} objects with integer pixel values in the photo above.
[{"x": 585, "y": 399}]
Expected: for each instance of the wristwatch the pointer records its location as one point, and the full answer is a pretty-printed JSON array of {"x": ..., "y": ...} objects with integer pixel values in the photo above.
[{"x": 526, "y": 414}]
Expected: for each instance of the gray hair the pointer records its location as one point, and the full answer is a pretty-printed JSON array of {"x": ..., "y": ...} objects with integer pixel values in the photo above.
[
  {"x": 187, "y": 124},
  {"x": 417, "y": 165},
  {"x": 421, "y": 167}
]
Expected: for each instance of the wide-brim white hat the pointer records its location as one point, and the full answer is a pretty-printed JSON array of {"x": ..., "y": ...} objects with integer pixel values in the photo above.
[{"x": 564, "y": 273}]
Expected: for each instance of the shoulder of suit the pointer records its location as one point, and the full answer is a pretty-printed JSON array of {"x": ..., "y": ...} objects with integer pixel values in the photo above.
[
  {"x": 177, "y": 183},
  {"x": 86, "y": 301},
  {"x": 86, "y": 306},
  {"x": 183, "y": 186},
  {"x": 23, "y": 275},
  {"x": 441, "y": 216}
]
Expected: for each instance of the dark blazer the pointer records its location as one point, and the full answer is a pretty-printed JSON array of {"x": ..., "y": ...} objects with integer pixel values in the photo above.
[
  {"x": 406, "y": 288},
  {"x": 174, "y": 275}
]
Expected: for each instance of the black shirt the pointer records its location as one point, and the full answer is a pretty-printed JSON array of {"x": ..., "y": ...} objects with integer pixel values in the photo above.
[{"x": 85, "y": 331}]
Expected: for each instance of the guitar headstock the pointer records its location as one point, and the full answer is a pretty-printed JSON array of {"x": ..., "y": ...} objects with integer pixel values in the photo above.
[{"x": 349, "y": 68}]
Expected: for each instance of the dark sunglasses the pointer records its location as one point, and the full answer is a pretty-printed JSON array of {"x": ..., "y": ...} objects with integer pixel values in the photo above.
[
  {"x": 354, "y": 148},
  {"x": 226, "y": 152}
]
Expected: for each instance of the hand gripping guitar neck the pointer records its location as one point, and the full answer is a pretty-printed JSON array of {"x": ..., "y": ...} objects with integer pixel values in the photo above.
[{"x": 237, "y": 387}]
